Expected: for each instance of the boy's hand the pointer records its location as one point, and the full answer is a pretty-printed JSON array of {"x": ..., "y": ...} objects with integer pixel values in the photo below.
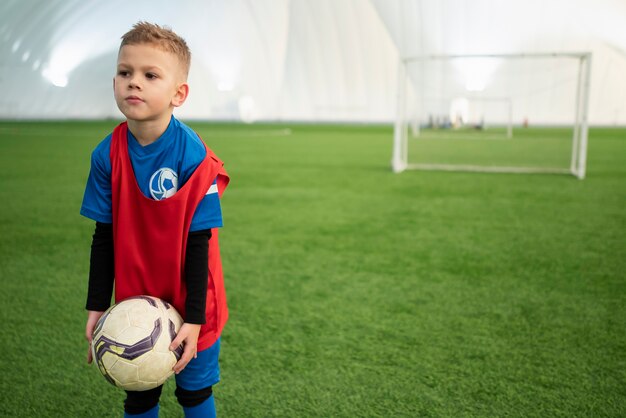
[
  {"x": 92, "y": 319},
  {"x": 188, "y": 337}
]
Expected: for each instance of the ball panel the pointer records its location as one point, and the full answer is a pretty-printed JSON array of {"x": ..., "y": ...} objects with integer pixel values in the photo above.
[
  {"x": 140, "y": 386},
  {"x": 122, "y": 372},
  {"x": 162, "y": 342},
  {"x": 115, "y": 323},
  {"x": 108, "y": 360},
  {"x": 143, "y": 318},
  {"x": 134, "y": 335},
  {"x": 159, "y": 367}
]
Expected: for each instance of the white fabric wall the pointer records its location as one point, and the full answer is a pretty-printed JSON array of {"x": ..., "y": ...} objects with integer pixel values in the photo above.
[
  {"x": 291, "y": 59},
  {"x": 340, "y": 63},
  {"x": 420, "y": 27}
]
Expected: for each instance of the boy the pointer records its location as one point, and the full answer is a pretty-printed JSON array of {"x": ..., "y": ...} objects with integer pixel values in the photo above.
[{"x": 153, "y": 190}]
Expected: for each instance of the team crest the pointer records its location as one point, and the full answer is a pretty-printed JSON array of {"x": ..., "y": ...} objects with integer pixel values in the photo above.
[{"x": 163, "y": 183}]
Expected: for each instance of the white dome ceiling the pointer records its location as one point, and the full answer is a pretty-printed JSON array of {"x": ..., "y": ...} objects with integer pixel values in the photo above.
[{"x": 292, "y": 59}]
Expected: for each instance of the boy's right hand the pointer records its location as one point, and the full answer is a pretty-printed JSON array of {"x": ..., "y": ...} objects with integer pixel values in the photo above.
[{"x": 92, "y": 319}]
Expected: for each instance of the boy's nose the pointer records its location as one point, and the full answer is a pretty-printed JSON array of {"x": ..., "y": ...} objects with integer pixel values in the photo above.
[{"x": 133, "y": 83}]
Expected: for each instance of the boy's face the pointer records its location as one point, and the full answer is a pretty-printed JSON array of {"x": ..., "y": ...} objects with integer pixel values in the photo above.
[{"x": 149, "y": 83}]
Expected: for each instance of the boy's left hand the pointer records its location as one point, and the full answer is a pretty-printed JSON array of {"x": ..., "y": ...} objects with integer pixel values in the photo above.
[{"x": 188, "y": 337}]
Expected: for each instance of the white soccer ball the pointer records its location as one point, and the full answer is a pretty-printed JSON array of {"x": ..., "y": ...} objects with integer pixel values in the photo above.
[{"x": 131, "y": 343}]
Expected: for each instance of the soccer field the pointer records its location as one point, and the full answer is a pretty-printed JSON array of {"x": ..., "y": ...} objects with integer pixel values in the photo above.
[
  {"x": 353, "y": 292},
  {"x": 538, "y": 147}
]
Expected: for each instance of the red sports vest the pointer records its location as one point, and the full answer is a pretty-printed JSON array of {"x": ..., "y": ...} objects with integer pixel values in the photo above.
[{"x": 150, "y": 237}]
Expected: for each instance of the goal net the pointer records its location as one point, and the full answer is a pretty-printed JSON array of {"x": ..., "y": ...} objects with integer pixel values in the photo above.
[{"x": 518, "y": 113}]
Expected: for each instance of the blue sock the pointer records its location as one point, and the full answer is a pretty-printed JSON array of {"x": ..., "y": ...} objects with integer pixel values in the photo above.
[
  {"x": 205, "y": 410},
  {"x": 152, "y": 413}
]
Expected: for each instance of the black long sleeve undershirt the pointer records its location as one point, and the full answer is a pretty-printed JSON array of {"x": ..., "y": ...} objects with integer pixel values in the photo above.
[
  {"x": 101, "y": 272},
  {"x": 197, "y": 275}
]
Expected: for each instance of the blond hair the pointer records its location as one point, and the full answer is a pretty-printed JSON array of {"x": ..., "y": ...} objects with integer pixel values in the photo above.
[{"x": 161, "y": 37}]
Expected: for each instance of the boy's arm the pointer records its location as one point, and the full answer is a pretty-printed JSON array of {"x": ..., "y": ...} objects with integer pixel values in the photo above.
[
  {"x": 196, "y": 282},
  {"x": 101, "y": 275},
  {"x": 101, "y": 268},
  {"x": 197, "y": 275}
]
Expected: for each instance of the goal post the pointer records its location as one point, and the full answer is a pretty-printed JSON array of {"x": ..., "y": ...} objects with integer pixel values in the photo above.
[{"x": 529, "y": 100}]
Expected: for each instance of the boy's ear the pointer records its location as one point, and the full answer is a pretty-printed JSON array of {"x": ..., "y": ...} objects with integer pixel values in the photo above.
[{"x": 182, "y": 91}]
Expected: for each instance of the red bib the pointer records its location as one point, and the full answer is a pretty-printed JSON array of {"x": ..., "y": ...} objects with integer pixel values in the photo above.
[{"x": 150, "y": 237}]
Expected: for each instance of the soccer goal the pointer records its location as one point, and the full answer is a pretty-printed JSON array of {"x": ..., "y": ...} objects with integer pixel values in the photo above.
[{"x": 509, "y": 113}]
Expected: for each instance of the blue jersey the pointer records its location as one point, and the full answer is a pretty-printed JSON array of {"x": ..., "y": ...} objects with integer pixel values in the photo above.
[{"x": 160, "y": 168}]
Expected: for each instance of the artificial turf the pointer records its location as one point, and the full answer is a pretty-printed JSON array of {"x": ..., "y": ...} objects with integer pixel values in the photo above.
[{"x": 352, "y": 291}]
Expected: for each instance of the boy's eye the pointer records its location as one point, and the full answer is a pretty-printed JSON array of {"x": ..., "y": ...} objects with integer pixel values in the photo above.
[
  {"x": 123, "y": 73},
  {"x": 151, "y": 76}
]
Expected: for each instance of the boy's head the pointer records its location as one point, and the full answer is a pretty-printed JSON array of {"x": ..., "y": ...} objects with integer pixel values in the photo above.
[
  {"x": 152, "y": 68},
  {"x": 161, "y": 38}
]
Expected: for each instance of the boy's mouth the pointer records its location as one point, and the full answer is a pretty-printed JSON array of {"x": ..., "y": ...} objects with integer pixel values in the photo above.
[{"x": 133, "y": 99}]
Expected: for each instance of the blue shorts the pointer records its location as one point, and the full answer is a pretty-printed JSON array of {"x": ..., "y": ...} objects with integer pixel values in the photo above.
[{"x": 202, "y": 371}]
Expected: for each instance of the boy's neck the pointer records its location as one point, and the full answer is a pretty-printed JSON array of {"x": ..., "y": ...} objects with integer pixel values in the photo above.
[{"x": 146, "y": 132}]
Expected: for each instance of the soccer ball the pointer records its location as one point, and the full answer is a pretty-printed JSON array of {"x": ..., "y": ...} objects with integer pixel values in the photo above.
[{"x": 131, "y": 343}]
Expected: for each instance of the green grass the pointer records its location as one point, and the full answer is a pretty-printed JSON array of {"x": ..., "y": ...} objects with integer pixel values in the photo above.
[
  {"x": 537, "y": 147},
  {"x": 352, "y": 291}
]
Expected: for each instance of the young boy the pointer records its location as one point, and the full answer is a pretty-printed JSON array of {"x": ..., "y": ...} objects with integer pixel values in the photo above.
[{"x": 154, "y": 190}]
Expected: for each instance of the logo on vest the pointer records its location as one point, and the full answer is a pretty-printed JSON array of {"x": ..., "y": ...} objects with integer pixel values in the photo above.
[{"x": 163, "y": 183}]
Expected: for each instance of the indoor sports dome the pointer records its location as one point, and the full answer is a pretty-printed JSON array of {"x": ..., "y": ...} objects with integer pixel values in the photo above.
[
  {"x": 420, "y": 207},
  {"x": 299, "y": 60}
]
